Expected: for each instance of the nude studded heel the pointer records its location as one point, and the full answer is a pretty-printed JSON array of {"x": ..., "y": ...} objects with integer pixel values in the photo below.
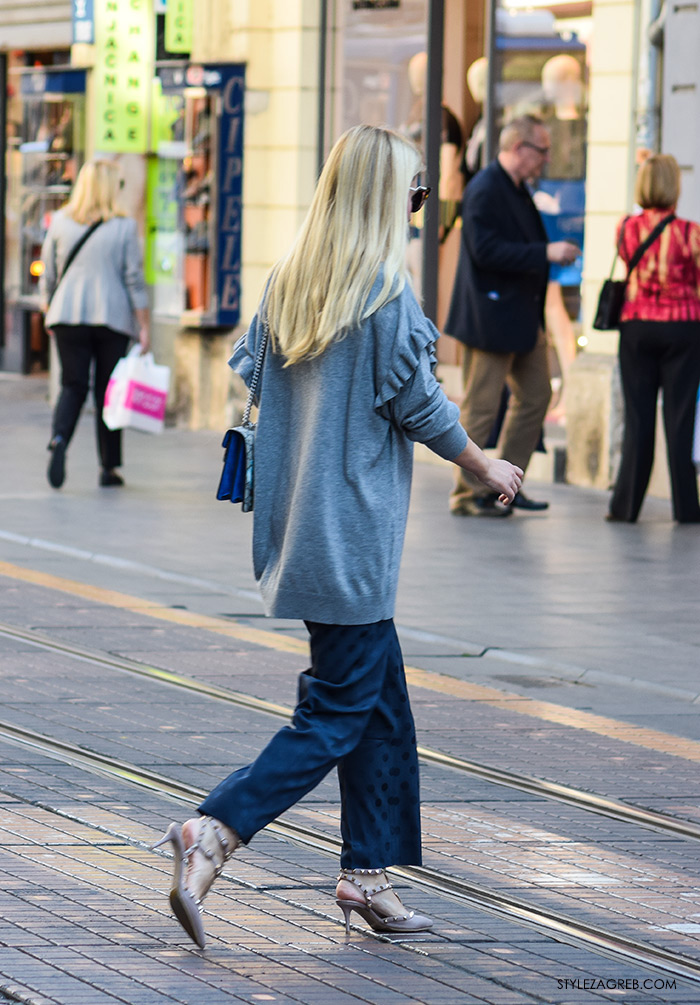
[
  {"x": 203, "y": 861},
  {"x": 372, "y": 883}
]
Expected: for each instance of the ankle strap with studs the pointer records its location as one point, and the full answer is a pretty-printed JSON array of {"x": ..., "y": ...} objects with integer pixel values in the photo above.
[{"x": 354, "y": 876}]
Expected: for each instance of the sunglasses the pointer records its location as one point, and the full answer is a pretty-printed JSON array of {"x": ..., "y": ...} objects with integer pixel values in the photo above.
[
  {"x": 418, "y": 196},
  {"x": 542, "y": 151}
]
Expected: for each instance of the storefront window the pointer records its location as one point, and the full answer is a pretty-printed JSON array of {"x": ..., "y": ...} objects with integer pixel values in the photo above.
[
  {"x": 372, "y": 83},
  {"x": 45, "y": 148},
  {"x": 379, "y": 78},
  {"x": 540, "y": 67},
  {"x": 194, "y": 202}
]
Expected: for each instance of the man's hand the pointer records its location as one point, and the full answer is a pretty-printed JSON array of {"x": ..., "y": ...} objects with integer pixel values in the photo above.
[{"x": 562, "y": 252}]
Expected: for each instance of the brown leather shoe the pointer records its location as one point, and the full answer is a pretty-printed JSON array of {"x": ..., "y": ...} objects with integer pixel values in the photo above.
[{"x": 480, "y": 506}]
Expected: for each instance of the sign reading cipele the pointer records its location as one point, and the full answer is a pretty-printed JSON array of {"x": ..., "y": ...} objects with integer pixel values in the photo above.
[
  {"x": 230, "y": 200},
  {"x": 123, "y": 71}
]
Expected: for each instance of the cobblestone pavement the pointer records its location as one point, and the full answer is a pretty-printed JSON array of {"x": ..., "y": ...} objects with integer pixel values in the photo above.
[{"x": 140, "y": 575}]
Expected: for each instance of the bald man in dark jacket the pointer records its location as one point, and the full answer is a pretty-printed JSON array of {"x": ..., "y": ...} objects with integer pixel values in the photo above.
[{"x": 497, "y": 307}]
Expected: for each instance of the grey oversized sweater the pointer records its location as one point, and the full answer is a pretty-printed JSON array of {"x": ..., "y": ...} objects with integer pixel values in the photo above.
[{"x": 333, "y": 463}]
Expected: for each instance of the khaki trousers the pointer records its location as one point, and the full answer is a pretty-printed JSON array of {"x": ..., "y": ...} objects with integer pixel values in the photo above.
[{"x": 485, "y": 373}]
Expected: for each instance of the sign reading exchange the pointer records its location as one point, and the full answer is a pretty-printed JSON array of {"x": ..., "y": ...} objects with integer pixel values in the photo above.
[
  {"x": 123, "y": 71},
  {"x": 179, "y": 18}
]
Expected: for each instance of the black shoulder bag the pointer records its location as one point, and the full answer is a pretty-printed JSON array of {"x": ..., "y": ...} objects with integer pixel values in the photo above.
[
  {"x": 74, "y": 251},
  {"x": 612, "y": 293}
]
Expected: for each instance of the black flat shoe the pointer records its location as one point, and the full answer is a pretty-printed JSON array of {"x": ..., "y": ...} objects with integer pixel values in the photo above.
[
  {"x": 521, "y": 501},
  {"x": 109, "y": 478},
  {"x": 56, "y": 472}
]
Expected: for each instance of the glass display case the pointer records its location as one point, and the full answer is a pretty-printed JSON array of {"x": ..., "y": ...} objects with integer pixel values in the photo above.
[
  {"x": 45, "y": 149},
  {"x": 195, "y": 195},
  {"x": 540, "y": 68},
  {"x": 51, "y": 150}
]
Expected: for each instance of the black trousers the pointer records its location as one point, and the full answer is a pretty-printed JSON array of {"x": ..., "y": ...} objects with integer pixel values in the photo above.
[
  {"x": 653, "y": 355},
  {"x": 354, "y": 714},
  {"x": 78, "y": 346}
]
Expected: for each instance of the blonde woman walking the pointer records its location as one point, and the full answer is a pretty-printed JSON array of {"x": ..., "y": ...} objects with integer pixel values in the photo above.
[
  {"x": 95, "y": 299},
  {"x": 347, "y": 386}
]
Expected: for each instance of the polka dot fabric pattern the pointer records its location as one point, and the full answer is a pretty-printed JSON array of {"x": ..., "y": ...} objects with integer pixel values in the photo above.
[{"x": 353, "y": 713}]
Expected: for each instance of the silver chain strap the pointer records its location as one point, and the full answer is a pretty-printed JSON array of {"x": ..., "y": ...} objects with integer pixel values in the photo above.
[{"x": 259, "y": 359}]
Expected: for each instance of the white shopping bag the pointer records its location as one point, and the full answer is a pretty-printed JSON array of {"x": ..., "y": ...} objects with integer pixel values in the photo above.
[
  {"x": 136, "y": 393},
  {"x": 696, "y": 442}
]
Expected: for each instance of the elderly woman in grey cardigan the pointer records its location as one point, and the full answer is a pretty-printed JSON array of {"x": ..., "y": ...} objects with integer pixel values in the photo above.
[
  {"x": 95, "y": 299},
  {"x": 347, "y": 387}
]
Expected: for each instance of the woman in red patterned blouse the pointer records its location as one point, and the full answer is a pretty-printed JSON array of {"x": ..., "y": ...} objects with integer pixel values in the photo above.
[{"x": 659, "y": 344}]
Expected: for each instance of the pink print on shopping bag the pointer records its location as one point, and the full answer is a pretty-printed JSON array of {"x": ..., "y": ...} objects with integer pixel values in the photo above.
[
  {"x": 137, "y": 393},
  {"x": 145, "y": 400}
]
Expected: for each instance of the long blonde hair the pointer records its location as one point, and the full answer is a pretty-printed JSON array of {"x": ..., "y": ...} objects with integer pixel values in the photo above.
[
  {"x": 95, "y": 193},
  {"x": 357, "y": 223}
]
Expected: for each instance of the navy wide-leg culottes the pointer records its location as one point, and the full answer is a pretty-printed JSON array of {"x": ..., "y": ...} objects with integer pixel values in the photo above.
[{"x": 353, "y": 713}]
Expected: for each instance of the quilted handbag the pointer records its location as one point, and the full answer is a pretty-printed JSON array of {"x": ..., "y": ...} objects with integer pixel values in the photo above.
[{"x": 237, "y": 478}]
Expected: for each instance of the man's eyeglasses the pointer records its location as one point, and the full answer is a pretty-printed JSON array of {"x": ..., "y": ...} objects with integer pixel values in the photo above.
[
  {"x": 542, "y": 151},
  {"x": 418, "y": 197}
]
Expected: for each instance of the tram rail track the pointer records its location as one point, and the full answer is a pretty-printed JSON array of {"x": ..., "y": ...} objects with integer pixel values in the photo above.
[
  {"x": 552, "y": 924},
  {"x": 552, "y": 791}
]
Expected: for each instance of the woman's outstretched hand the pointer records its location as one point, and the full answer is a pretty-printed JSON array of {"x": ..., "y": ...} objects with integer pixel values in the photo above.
[
  {"x": 504, "y": 478},
  {"x": 500, "y": 476}
]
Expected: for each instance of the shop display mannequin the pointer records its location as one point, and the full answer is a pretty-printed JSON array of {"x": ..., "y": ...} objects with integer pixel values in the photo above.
[
  {"x": 451, "y": 135},
  {"x": 476, "y": 85},
  {"x": 563, "y": 91}
]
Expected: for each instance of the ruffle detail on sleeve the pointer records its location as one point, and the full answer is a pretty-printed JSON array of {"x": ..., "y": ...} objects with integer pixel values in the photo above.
[
  {"x": 244, "y": 353},
  {"x": 413, "y": 336}
]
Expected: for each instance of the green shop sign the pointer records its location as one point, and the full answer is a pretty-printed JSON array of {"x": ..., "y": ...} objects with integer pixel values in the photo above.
[
  {"x": 161, "y": 253},
  {"x": 179, "y": 16},
  {"x": 124, "y": 47}
]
